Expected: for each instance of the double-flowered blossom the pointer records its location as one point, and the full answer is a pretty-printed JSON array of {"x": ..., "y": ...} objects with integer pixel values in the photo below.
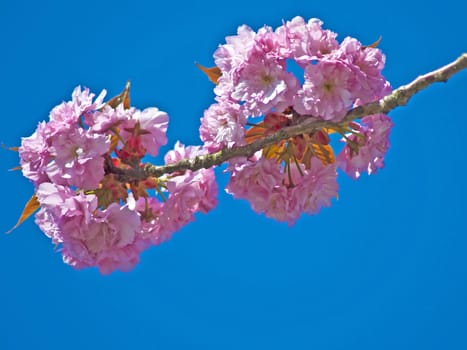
[
  {"x": 274, "y": 78},
  {"x": 190, "y": 192},
  {"x": 77, "y": 158},
  {"x": 327, "y": 91},
  {"x": 305, "y": 41},
  {"x": 89, "y": 208},
  {"x": 366, "y": 147},
  {"x": 281, "y": 195},
  {"x": 108, "y": 238},
  {"x": 59, "y": 137},
  {"x": 222, "y": 126},
  {"x": 34, "y": 155}
]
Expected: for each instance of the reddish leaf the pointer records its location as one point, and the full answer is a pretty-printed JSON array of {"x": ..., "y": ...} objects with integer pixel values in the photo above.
[
  {"x": 255, "y": 132},
  {"x": 274, "y": 150},
  {"x": 213, "y": 73},
  {"x": 320, "y": 137},
  {"x": 14, "y": 149},
  {"x": 113, "y": 143},
  {"x": 124, "y": 97},
  {"x": 323, "y": 152},
  {"x": 139, "y": 190},
  {"x": 317, "y": 145},
  {"x": 373, "y": 45},
  {"x": 31, "y": 206}
]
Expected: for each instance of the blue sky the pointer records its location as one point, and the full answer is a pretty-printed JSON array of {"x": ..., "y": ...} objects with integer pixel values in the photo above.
[{"x": 385, "y": 267}]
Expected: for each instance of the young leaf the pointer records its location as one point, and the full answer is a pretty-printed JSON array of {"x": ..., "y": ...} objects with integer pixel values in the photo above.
[
  {"x": 31, "y": 206},
  {"x": 324, "y": 153},
  {"x": 124, "y": 97},
  {"x": 373, "y": 45},
  {"x": 14, "y": 149},
  {"x": 213, "y": 73}
]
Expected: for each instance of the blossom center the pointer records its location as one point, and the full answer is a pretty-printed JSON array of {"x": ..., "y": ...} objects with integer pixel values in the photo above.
[
  {"x": 267, "y": 79},
  {"x": 328, "y": 86}
]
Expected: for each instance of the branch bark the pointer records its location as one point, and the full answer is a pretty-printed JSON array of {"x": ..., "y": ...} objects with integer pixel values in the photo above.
[{"x": 398, "y": 97}]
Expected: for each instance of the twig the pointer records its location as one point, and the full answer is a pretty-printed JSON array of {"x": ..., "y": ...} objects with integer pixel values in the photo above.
[{"x": 397, "y": 98}]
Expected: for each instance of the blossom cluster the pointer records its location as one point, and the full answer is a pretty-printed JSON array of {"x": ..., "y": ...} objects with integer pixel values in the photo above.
[
  {"x": 95, "y": 215},
  {"x": 274, "y": 78},
  {"x": 101, "y": 208}
]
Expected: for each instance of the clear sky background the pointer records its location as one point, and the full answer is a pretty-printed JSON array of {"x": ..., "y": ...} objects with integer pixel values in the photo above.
[{"x": 384, "y": 268}]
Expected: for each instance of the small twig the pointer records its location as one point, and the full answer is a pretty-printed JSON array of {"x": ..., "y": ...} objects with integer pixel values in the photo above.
[{"x": 397, "y": 98}]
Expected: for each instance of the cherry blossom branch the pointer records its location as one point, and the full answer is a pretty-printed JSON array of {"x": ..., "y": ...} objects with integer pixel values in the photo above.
[
  {"x": 399, "y": 97},
  {"x": 85, "y": 161}
]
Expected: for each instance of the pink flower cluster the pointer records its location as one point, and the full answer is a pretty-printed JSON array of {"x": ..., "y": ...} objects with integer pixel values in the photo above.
[
  {"x": 298, "y": 70},
  {"x": 190, "y": 192},
  {"x": 264, "y": 184},
  {"x": 80, "y": 160},
  {"x": 96, "y": 218}
]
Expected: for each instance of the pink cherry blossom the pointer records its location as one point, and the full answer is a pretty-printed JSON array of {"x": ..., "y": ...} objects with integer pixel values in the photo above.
[
  {"x": 180, "y": 152},
  {"x": 150, "y": 210},
  {"x": 327, "y": 92},
  {"x": 102, "y": 120},
  {"x": 143, "y": 132},
  {"x": 267, "y": 46},
  {"x": 281, "y": 207},
  {"x": 317, "y": 187},
  {"x": 265, "y": 185},
  {"x": 263, "y": 86},
  {"x": 78, "y": 158},
  {"x": 305, "y": 41},
  {"x": 231, "y": 56},
  {"x": 34, "y": 155},
  {"x": 112, "y": 239},
  {"x": 63, "y": 212},
  {"x": 367, "y": 64},
  {"x": 222, "y": 125},
  {"x": 190, "y": 192},
  {"x": 201, "y": 181},
  {"x": 83, "y": 100},
  {"x": 67, "y": 114},
  {"x": 254, "y": 180},
  {"x": 153, "y": 124},
  {"x": 370, "y": 152},
  {"x": 109, "y": 239}
]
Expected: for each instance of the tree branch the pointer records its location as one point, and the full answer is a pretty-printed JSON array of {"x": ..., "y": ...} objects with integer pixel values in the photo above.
[{"x": 397, "y": 98}]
